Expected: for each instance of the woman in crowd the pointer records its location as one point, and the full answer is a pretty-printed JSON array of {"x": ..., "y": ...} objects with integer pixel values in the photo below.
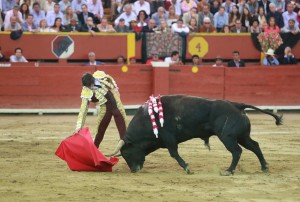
[
  {"x": 172, "y": 17},
  {"x": 255, "y": 27},
  {"x": 57, "y": 27},
  {"x": 43, "y": 26},
  {"x": 24, "y": 9},
  {"x": 225, "y": 29},
  {"x": 193, "y": 25},
  {"x": 142, "y": 19},
  {"x": 261, "y": 16},
  {"x": 234, "y": 15},
  {"x": 69, "y": 15},
  {"x": 64, "y": 5},
  {"x": 246, "y": 18},
  {"x": 271, "y": 26}
]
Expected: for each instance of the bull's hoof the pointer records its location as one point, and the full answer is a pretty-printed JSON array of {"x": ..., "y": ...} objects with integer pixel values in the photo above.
[
  {"x": 226, "y": 173},
  {"x": 188, "y": 170},
  {"x": 265, "y": 169}
]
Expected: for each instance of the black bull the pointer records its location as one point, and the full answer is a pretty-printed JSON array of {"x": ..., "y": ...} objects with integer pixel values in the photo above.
[{"x": 191, "y": 117}]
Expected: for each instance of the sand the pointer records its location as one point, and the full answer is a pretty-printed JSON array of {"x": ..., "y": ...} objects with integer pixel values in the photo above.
[{"x": 31, "y": 172}]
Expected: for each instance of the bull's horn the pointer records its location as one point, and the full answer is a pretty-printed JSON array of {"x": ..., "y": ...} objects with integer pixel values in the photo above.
[{"x": 118, "y": 147}]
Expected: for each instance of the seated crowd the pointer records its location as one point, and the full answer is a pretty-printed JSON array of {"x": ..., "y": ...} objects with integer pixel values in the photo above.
[{"x": 181, "y": 16}]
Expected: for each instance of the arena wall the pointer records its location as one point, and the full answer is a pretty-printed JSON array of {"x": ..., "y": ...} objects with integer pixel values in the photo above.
[{"x": 25, "y": 86}]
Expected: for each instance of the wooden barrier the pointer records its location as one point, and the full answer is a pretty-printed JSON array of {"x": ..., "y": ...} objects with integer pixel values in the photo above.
[
  {"x": 52, "y": 87},
  {"x": 38, "y": 46}
]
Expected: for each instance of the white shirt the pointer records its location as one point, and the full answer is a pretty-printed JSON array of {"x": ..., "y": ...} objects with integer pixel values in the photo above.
[
  {"x": 177, "y": 7},
  {"x": 286, "y": 16},
  {"x": 170, "y": 61},
  {"x": 9, "y": 14},
  {"x": 126, "y": 17},
  {"x": 51, "y": 17},
  {"x": 13, "y": 58},
  {"x": 48, "y": 6},
  {"x": 95, "y": 8},
  {"x": 184, "y": 28},
  {"x": 138, "y": 7}
]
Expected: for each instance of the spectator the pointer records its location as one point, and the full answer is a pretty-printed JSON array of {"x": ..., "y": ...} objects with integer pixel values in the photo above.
[
  {"x": 24, "y": 9},
  {"x": 236, "y": 61},
  {"x": 255, "y": 27},
  {"x": 43, "y": 26},
  {"x": 261, "y": 18},
  {"x": 52, "y": 15},
  {"x": 271, "y": 27},
  {"x": 193, "y": 26},
  {"x": 288, "y": 57},
  {"x": 142, "y": 5},
  {"x": 246, "y": 19},
  {"x": 84, "y": 15},
  {"x": 225, "y": 29},
  {"x": 28, "y": 25},
  {"x": 89, "y": 26},
  {"x": 279, "y": 5},
  {"x": 105, "y": 27},
  {"x": 64, "y": 4},
  {"x": 133, "y": 26},
  {"x": 77, "y": 6},
  {"x": 265, "y": 5},
  {"x": 49, "y": 6},
  {"x": 253, "y": 7},
  {"x": 241, "y": 5},
  {"x": 14, "y": 12},
  {"x": 73, "y": 26},
  {"x": 228, "y": 4},
  {"x": 275, "y": 14},
  {"x": 57, "y": 26},
  {"x": 292, "y": 28},
  {"x": 220, "y": 19},
  {"x": 96, "y": 7},
  {"x": 121, "y": 27},
  {"x": 238, "y": 28},
  {"x": 2, "y": 57},
  {"x": 155, "y": 58},
  {"x": 172, "y": 16},
  {"x": 186, "y": 18},
  {"x": 180, "y": 28},
  {"x": 69, "y": 14},
  {"x": 174, "y": 59},
  {"x": 177, "y": 7},
  {"x": 207, "y": 26},
  {"x": 214, "y": 8},
  {"x": 122, "y": 5},
  {"x": 13, "y": 25},
  {"x": 270, "y": 59},
  {"x": 163, "y": 28},
  {"x": 205, "y": 14},
  {"x": 233, "y": 16},
  {"x": 160, "y": 15},
  {"x": 289, "y": 14},
  {"x": 150, "y": 27},
  {"x": 142, "y": 19},
  {"x": 132, "y": 60},
  {"x": 127, "y": 15},
  {"x": 18, "y": 57},
  {"x": 92, "y": 60},
  {"x": 186, "y": 6},
  {"x": 219, "y": 62},
  {"x": 7, "y": 5},
  {"x": 120, "y": 60},
  {"x": 196, "y": 60},
  {"x": 37, "y": 13}
]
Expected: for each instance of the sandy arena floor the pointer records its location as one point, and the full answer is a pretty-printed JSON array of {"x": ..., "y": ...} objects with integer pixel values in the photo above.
[{"x": 31, "y": 172}]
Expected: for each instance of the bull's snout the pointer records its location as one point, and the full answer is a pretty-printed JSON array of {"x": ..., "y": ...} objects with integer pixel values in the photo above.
[{"x": 136, "y": 169}]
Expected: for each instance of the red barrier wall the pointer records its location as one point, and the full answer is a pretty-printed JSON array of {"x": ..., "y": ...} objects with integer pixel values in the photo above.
[
  {"x": 109, "y": 46},
  {"x": 52, "y": 86}
]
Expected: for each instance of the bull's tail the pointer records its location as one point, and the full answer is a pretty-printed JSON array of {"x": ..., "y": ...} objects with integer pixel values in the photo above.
[{"x": 242, "y": 106}]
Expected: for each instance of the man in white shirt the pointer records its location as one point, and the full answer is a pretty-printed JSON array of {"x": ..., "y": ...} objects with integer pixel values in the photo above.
[
  {"x": 49, "y": 6},
  {"x": 95, "y": 7},
  {"x": 18, "y": 57},
  {"x": 14, "y": 12},
  {"x": 38, "y": 14},
  {"x": 174, "y": 59},
  {"x": 289, "y": 14},
  {"x": 141, "y": 5},
  {"x": 180, "y": 28},
  {"x": 52, "y": 15},
  {"x": 128, "y": 15}
]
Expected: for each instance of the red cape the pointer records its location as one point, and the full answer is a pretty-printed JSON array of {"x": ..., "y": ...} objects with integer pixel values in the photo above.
[{"x": 81, "y": 154}]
